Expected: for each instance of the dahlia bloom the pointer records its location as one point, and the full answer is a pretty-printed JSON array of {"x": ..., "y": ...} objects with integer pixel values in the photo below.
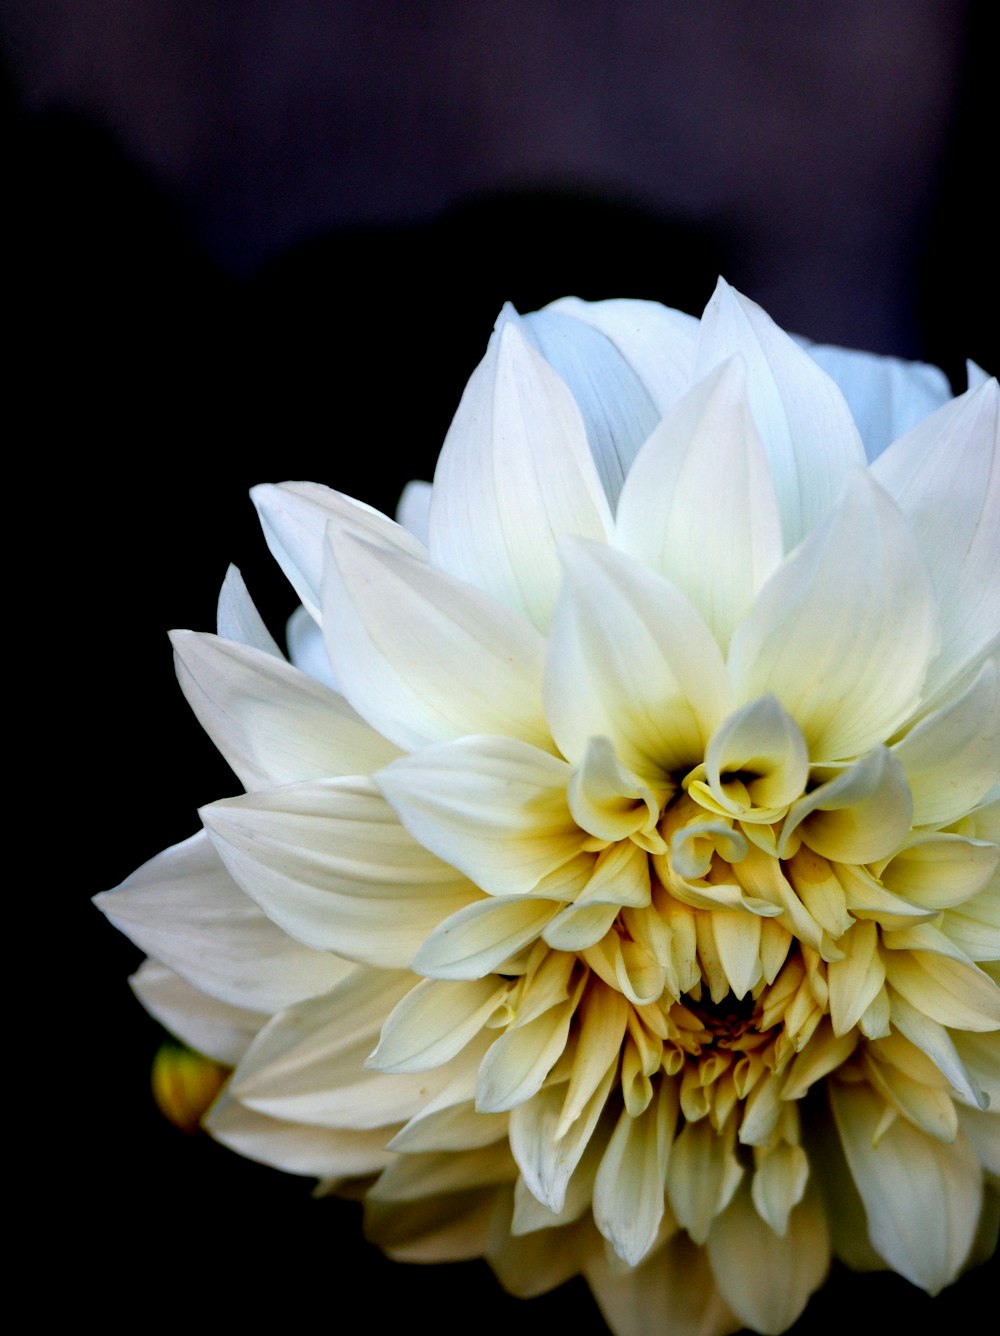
[{"x": 615, "y": 886}]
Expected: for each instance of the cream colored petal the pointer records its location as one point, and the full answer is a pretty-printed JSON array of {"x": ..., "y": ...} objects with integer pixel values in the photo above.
[
  {"x": 329, "y": 862},
  {"x": 456, "y": 1127},
  {"x": 921, "y": 1195},
  {"x": 859, "y": 816},
  {"x": 982, "y": 1131},
  {"x": 764, "y": 742},
  {"x": 424, "y": 657},
  {"x": 447, "y": 1228},
  {"x": 950, "y": 757},
  {"x": 273, "y": 724},
  {"x": 698, "y": 505},
  {"x": 548, "y": 1160},
  {"x": 843, "y": 631},
  {"x": 606, "y": 799},
  {"x": 532, "y": 1265},
  {"x": 630, "y": 1184},
  {"x": 824, "y": 1053},
  {"x": 935, "y": 1041},
  {"x": 737, "y": 940},
  {"x": 765, "y": 1278},
  {"x": 434, "y": 1174},
  {"x": 974, "y": 926},
  {"x": 945, "y": 477},
  {"x": 434, "y": 1021},
  {"x": 806, "y": 427},
  {"x": 856, "y": 980},
  {"x": 673, "y": 1291},
  {"x": 940, "y": 871},
  {"x": 702, "y": 1177},
  {"x": 479, "y": 938},
  {"x": 215, "y": 1028},
  {"x": 184, "y": 908},
  {"x": 307, "y": 1065},
  {"x": 520, "y": 1060},
  {"x": 629, "y": 659},
  {"x": 297, "y": 1148},
  {"x": 491, "y": 806},
  {"x": 294, "y": 516},
  {"x": 515, "y": 473},
  {"x": 238, "y": 618},
  {"x": 949, "y": 991}
]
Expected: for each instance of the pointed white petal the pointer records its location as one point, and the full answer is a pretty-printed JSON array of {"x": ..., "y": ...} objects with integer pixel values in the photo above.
[
  {"x": 843, "y": 632},
  {"x": 520, "y": 1060},
  {"x": 699, "y": 506},
  {"x": 631, "y": 660},
  {"x": 493, "y": 807},
  {"x": 329, "y": 862},
  {"x": 433, "y": 1174},
  {"x": 423, "y": 656},
  {"x": 515, "y": 474},
  {"x": 184, "y": 908},
  {"x": 239, "y": 620},
  {"x": 294, "y": 516},
  {"x": 617, "y": 410},
  {"x": 945, "y": 477},
  {"x": 804, "y": 422},
  {"x": 922, "y": 1196},
  {"x": 479, "y": 938},
  {"x": 273, "y": 724},
  {"x": 215, "y": 1028}
]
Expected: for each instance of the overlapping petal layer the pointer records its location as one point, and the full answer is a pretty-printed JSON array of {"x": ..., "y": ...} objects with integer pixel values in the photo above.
[{"x": 628, "y": 862}]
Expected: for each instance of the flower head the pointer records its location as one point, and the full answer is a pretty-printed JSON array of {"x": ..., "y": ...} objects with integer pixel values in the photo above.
[{"x": 616, "y": 890}]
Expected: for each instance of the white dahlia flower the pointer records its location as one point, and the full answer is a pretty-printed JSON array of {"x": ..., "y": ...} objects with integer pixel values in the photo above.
[{"x": 616, "y": 891}]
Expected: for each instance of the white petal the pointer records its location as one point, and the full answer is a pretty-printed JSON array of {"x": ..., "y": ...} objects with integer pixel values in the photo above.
[
  {"x": 658, "y": 342},
  {"x": 699, "y": 506},
  {"x": 307, "y": 648},
  {"x": 520, "y": 1060},
  {"x": 617, "y": 410},
  {"x": 515, "y": 474},
  {"x": 806, "y": 427},
  {"x": 434, "y": 1022},
  {"x": 184, "y": 908},
  {"x": 493, "y": 807},
  {"x": 631, "y": 660},
  {"x": 425, "y": 657},
  {"x": 308, "y": 1064},
  {"x": 951, "y": 756},
  {"x": 844, "y": 630},
  {"x": 294, "y": 516},
  {"x": 479, "y": 938},
  {"x": 945, "y": 477},
  {"x": 764, "y": 740},
  {"x": 329, "y": 862},
  {"x": 672, "y": 1291},
  {"x": 886, "y": 395},
  {"x": 433, "y": 1174},
  {"x": 297, "y": 1148},
  {"x": 239, "y": 620},
  {"x": 922, "y": 1196},
  {"x": 273, "y": 724},
  {"x": 215, "y": 1028},
  {"x": 414, "y": 509},
  {"x": 859, "y": 816}
]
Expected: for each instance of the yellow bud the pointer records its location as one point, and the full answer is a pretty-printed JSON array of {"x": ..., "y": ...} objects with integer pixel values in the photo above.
[{"x": 184, "y": 1085}]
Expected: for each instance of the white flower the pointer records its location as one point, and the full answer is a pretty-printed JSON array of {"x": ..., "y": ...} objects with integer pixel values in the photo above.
[{"x": 629, "y": 906}]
